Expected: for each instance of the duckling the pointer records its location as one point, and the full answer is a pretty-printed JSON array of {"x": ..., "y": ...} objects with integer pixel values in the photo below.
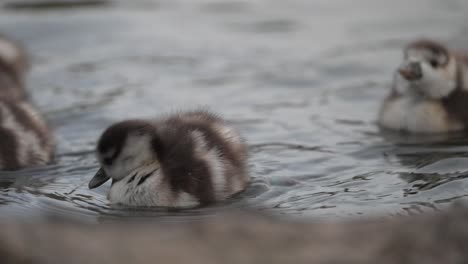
[
  {"x": 13, "y": 66},
  {"x": 429, "y": 93},
  {"x": 183, "y": 160},
  {"x": 25, "y": 139}
]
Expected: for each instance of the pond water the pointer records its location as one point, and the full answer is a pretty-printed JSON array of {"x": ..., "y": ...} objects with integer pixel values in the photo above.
[{"x": 302, "y": 80}]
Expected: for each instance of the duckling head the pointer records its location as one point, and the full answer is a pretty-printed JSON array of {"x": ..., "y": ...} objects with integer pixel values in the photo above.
[
  {"x": 428, "y": 70},
  {"x": 124, "y": 148}
]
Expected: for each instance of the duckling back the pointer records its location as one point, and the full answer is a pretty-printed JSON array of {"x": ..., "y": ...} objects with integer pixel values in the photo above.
[{"x": 206, "y": 158}]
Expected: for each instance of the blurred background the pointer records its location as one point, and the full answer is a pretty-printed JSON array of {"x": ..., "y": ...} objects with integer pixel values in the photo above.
[{"x": 301, "y": 79}]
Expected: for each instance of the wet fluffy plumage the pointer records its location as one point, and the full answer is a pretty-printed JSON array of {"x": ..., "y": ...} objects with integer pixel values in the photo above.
[
  {"x": 183, "y": 160},
  {"x": 24, "y": 137}
]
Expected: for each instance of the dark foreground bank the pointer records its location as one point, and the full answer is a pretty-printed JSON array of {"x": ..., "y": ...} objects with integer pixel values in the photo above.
[{"x": 242, "y": 238}]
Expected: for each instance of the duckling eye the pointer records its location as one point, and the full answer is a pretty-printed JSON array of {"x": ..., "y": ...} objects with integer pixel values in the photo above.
[{"x": 434, "y": 63}]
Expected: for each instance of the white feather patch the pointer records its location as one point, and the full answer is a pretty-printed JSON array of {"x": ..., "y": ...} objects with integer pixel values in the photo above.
[
  {"x": 218, "y": 175},
  {"x": 229, "y": 134},
  {"x": 214, "y": 163},
  {"x": 201, "y": 146},
  {"x": 185, "y": 200}
]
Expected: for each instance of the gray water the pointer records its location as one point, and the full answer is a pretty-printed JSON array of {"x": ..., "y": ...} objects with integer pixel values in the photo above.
[{"x": 301, "y": 79}]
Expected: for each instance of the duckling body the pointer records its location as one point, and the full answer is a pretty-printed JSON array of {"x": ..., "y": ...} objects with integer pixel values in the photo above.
[
  {"x": 25, "y": 140},
  {"x": 184, "y": 160},
  {"x": 429, "y": 92},
  {"x": 418, "y": 116}
]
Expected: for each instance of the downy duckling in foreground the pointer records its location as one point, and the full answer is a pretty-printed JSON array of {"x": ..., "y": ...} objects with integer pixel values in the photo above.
[
  {"x": 183, "y": 160},
  {"x": 13, "y": 66},
  {"x": 25, "y": 140},
  {"x": 429, "y": 94}
]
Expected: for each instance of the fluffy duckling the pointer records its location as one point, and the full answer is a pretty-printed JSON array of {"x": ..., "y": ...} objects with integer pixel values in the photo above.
[
  {"x": 25, "y": 140},
  {"x": 13, "y": 66},
  {"x": 183, "y": 160},
  {"x": 429, "y": 93}
]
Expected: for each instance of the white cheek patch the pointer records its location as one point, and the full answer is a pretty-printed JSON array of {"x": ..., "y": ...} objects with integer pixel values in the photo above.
[
  {"x": 137, "y": 148},
  {"x": 438, "y": 83},
  {"x": 138, "y": 145},
  {"x": 8, "y": 51}
]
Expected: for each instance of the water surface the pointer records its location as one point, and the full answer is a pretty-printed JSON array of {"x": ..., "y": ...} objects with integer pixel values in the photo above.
[{"x": 302, "y": 80}]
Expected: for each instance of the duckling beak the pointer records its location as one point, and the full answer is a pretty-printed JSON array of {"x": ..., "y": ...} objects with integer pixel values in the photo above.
[
  {"x": 411, "y": 71},
  {"x": 99, "y": 179}
]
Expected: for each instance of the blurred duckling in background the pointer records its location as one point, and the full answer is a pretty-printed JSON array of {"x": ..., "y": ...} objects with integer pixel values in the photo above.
[
  {"x": 13, "y": 67},
  {"x": 183, "y": 160},
  {"x": 429, "y": 94},
  {"x": 25, "y": 139}
]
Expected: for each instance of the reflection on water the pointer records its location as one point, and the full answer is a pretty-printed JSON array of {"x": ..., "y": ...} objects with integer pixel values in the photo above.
[{"x": 301, "y": 79}]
